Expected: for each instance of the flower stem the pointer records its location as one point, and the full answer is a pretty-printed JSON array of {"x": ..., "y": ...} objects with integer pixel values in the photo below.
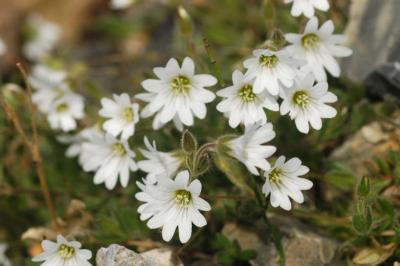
[
  {"x": 33, "y": 146},
  {"x": 275, "y": 234},
  {"x": 213, "y": 61}
]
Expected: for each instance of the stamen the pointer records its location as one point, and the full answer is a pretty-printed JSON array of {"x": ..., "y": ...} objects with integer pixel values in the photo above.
[
  {"x": 301, "y": 98},
  {"x": 128, "y": 114},
  {"x": 275, "y": 175},
  {"x": 180, "y": 84},
  {"x": 63, "y": 107},
  {"x": 66, "y": 252},
  {"x": 310, "y": 41},
  {"x": 119, "y": 149},
  {"x": 183, "y": 197},
  {"x": 268, "y": 61},
  {"x": 247, "y": 94}
]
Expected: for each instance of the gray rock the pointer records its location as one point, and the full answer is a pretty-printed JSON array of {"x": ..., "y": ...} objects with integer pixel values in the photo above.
[
  {"x": 116, "y": 255},
  {"x": 372, "y": 141},
  {"x": 303, "y": 246},
  {"x": 161, "y": 257},
  {"x": 374, "y": 34}
]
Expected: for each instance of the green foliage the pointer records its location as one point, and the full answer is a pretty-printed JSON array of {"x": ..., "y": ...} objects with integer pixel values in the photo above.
[
  {"x": 340, "y": 176},
  {"x": 218, "y": 35},
  {"x": 230, "y": 253},
  {"x": 364, "y": 187}
]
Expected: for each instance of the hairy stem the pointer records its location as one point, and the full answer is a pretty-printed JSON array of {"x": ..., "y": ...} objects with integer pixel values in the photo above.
[{"x": 33, "y": 146}]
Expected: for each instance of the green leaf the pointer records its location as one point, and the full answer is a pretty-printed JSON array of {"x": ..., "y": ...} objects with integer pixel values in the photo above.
[
  {"x": 364, "y": 187},
  {"x": 221, "y": 242},
  {"x": 386, "y": 207},
  {"x": 362, "y": 220},
  {"x": 248, "y": 254},
  {"x": 340, "y": 176}
]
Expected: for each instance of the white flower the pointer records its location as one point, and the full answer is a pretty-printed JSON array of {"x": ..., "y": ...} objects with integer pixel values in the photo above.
[
  {"x": 44, "y": 35},
  {"x": 63, "y": 253},
  {"x": 49, "y": 84},
  {"x": 157, "y": 162},
  {"x": 271, "y": 70},
  {"x": 3, "y": 47},
  {"x": 121, "y": 4},
  {"x": 283, "y": 181},
  {"x": 64, "y": 112},
  {"x": 319, "y": 47},
  {"x": 145, "y": 195},
  {"x": 122, "y": 114},
  {"x": 46, "y": 77},
  {"x": 174, "y": 203},
  {"x": 306, "y": 103},
  {"x": 4, "y": 261},
  {"x": 110, "y": 158},
  {"x": 177, "y": 95},
  {"x": 248, "y": 149},
  {"x": 306, "y": 7},
  {"x": 76, "y": 141},
  {"x": 242, "y": 105}
]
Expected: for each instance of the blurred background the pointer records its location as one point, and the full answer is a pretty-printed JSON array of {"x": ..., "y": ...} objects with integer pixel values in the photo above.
[{"x": 110, "y": 47}]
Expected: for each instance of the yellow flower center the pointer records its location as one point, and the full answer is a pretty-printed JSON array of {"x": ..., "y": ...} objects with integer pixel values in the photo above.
[
  {"x": 119, "y": 149},
  {"x": 247, "y": 94},
  {"x": 128, "y": 114},
  {"x": 183, "y": 197},
  {"x": 310, "y": 41},
  {"x": 275, "y": 175},
  {"x": 66, "y": 252},
  {"x": 268, "y": 61},
  {"x": 62, "y": 107},
  {"x": 301, "y": 98},
  {"x": 180, "y": 84}
]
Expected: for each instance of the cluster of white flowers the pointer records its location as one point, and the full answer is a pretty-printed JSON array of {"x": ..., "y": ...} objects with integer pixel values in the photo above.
[
  {"x": 54, "y": 97},
  {"x": 63, "y": 253},
  {"x": 289, "y": 79},
  {"x": 172, "y": 202},
  {"x": 42, "y": 36},
  {"x": 289, "y": 73}
]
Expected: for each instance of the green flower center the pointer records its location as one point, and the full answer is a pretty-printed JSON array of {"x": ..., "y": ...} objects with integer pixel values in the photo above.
[
  {"x": 310, "y": 41},
  {"x": 54, "y": 63},
  {"x": 301, "y": 98},
  {"x": 66, "y": 252},
  {"x": 119, "y": 149},
  {"x": 62, "y": 107},
  {"x": 268, "y": 61},
  {"x": 183, "y": 197},
  {"x": 180, "y": 84},
  {"x": 275, "y": 175},
  {"x": 128, "y": 114},
  {"x": 247, "y": 94}
]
